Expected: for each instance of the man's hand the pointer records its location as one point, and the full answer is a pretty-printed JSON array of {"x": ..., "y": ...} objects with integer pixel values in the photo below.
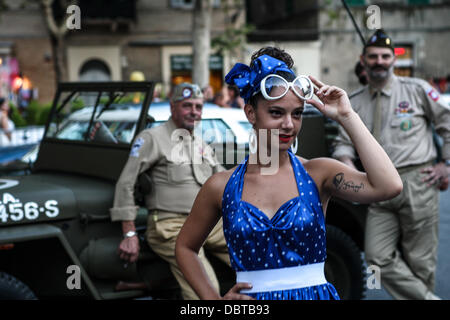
[
  {"x": 444, "y": 184},
  {"x": 437, "y": 175},
  {"x": 129, "y": 249}
]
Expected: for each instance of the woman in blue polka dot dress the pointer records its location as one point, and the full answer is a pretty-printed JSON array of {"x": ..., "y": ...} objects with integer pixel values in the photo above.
[{"x": 273, "y": 204}]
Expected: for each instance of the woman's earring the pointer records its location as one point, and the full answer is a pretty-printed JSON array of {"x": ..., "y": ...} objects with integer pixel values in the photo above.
[
  {"x": 294, "y": 146},
  {"x": 252, "y": 141}
]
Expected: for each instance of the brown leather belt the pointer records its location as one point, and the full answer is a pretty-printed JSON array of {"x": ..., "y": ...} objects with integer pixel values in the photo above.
[{"x": 413, "y": 167}]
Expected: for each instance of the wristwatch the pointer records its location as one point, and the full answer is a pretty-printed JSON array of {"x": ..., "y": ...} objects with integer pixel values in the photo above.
[{"x": 130, "y": 234}]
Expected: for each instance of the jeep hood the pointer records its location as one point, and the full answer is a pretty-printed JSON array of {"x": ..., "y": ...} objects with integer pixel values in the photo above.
[{"x": 49, "y": 197}]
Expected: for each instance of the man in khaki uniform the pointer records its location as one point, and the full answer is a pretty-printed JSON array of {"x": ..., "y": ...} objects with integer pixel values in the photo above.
[
  {"x": 402, "y": 233},
  {"x": 179, "y": 163}
]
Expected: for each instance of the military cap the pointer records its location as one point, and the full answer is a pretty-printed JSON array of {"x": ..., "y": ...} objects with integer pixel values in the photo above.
[
  {"x": 186, "y": 91},
  {"x": 379, "y": 39}
]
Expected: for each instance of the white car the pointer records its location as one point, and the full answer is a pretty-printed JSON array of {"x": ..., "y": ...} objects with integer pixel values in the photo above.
[
  {"x": 224, "y": 129},
  {"x": 214, "y": 118},
  {"x": 446, "y": 97}
]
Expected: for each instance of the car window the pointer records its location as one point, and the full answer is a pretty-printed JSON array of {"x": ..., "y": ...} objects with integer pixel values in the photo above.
[
  {"x": 122, "y": 130},
  {"x": 73, "y": 130},
  {"x": 106, "y": 117},
  {"x": 211, "y": 130},
  {"x": 76, "y": 130},
  {"x": 246, "y": 125},
  {"x": 206, "y": 130},
  {"x": 227, "y": 134},
  {"x": 215, "y": 131}
]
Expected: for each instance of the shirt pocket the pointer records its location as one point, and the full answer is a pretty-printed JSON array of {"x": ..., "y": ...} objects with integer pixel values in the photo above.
[
  {"x": 405, "y": 125},
  {"x": 177, "y": 173},
  {"x": 396, "y": 122}
]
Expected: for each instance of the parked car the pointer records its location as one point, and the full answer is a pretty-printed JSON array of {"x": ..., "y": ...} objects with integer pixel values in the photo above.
[
  {"x": 55, "y": 219},
  {"x": 446, "y": 97},
  {"x": 21, "y": 142}
]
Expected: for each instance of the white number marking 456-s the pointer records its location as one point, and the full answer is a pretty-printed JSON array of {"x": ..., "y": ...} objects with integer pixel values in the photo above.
[{"x": 12, "y": 208}]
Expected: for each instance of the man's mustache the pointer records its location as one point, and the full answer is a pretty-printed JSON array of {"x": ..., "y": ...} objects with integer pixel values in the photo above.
[{"x": 378, "y": 66}]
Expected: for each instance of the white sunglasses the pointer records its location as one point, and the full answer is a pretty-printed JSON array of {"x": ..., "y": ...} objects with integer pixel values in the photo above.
[{"x": 300, "y": 85}]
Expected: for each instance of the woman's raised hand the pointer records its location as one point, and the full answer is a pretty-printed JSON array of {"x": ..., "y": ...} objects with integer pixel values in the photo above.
[{"x": 336, "y": 104}]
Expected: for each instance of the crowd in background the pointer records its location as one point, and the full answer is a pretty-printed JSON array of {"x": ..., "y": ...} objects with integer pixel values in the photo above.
[
  {"x": 6, "y": 124},
  {"x": 227, "y": 97}
]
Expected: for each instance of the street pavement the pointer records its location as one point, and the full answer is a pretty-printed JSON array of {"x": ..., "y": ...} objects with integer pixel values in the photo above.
[{"x": 443, "y": 265}]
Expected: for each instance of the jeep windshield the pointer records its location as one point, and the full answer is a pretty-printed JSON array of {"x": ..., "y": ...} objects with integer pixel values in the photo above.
[{"x": 104, "y": 116}]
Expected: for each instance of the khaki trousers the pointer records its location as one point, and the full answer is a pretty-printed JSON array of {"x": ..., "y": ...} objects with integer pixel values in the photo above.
[
  {"x": 161, "y": 237},
  {"x": 402, "y": 237}
]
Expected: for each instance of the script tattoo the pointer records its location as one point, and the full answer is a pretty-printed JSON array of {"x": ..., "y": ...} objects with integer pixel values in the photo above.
[{"x": 340, "y": 183}]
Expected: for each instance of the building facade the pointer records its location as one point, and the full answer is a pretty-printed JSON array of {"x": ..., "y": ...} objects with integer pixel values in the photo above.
[
  {"x": 154, "y": 37},
  {"x": 324, "y": 43},
  {"x": 115, "y": 39}
]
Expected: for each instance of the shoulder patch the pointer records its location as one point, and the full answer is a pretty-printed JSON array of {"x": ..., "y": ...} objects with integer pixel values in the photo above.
[
  {"x": 433, "y": 94},
  {"x": 136, "y": 146}
]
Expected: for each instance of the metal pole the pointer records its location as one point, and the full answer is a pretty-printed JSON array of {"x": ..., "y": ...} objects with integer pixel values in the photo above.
[{"x": 354, "y": 22}]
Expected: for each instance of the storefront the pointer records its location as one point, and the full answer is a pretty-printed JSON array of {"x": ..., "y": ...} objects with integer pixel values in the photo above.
[
  {"x": 404, "y": 65},
  {"x": 177, "y": 67},
  {"x": 181, "y": 70}
]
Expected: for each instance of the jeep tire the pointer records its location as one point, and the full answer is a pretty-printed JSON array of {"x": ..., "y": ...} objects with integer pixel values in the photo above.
[
  {"x": 344, "y": 267},
  {"x": 13, "y": 289}
]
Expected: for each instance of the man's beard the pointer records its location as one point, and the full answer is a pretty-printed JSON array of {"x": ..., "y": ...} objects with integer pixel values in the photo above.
[
  {"x": 189, "y": 125},
  {"x": 380, "y": 75}
]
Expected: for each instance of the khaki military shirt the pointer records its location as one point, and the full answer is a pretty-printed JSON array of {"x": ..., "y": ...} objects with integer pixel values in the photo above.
[
  {"x": 179, "y": 164},
  {"x": 409, "y": 107}
]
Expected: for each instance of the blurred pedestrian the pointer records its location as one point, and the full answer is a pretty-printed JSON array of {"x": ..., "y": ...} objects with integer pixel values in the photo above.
[
  {"x": 158, "y": 93},
  {"x": 235, "y": 101},
  {"x": 402, "y": 234},
  {"x": 361, "y": 73},
  {"x": 208, "y": 93},
  {"x": 6, "y": 124},
  {"x": 221, "y": 98}
]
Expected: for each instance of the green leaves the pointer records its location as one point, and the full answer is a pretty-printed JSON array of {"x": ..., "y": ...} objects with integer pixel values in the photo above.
[{"x": 231, "y": 39}]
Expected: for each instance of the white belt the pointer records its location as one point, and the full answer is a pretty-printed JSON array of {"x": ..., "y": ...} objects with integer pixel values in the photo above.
[{"x": 283, "y": 278}]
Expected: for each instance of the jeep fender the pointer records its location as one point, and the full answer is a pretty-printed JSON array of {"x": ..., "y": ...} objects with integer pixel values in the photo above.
[{"x": 45, "y": 231}]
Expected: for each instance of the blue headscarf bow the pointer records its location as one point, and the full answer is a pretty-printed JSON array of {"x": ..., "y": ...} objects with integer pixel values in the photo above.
[{"x": 247, "y": 79}]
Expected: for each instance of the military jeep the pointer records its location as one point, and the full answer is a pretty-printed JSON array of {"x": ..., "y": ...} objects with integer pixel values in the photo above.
[{"x": 56, "y": 236}]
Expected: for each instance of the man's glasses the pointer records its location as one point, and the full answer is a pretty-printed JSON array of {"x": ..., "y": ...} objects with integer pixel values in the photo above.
[{"x": 275, "y": 87}]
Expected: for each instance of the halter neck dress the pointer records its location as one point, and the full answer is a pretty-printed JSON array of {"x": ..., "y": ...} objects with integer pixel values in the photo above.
[{"x": 293, "y": 239}]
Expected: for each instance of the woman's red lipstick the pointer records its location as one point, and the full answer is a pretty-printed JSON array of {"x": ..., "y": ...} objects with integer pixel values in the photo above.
[{"x": 284, "y": 138}]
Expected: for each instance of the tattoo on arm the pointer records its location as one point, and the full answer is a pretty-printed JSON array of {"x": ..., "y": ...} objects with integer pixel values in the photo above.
[{"x": 341, "y": 184}]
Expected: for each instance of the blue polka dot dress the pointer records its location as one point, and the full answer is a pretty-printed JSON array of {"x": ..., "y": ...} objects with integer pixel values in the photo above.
[{"x": 294, "y": 239}]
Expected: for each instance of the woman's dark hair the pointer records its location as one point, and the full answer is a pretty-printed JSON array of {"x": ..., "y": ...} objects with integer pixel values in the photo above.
[{"x": 276, "y": 53}]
